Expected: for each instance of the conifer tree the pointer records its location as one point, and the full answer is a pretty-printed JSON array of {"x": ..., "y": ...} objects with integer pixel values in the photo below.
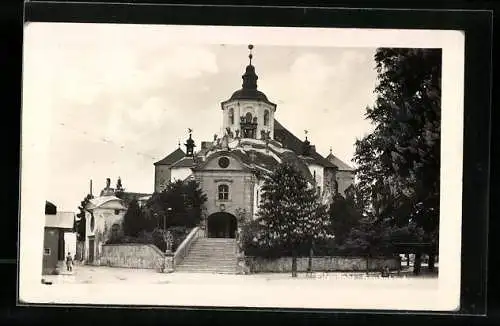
[
  {"x": 133, "y": 221},
  {"x": 290, "y": 212}
]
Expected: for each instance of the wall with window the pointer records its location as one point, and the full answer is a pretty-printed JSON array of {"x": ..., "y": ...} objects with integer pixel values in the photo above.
[{"x": 50, "y": 250}]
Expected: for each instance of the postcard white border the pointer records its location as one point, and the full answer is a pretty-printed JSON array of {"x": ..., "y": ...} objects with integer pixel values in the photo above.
[{"x": 445, "y": 296}]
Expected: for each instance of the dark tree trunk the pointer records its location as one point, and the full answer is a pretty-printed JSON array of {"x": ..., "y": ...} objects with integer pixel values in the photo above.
[
  {"x": 417, "y": 264},
  {"x": 432, "y": 261},
  {"x": 309, "y": 263},
  {"x": 367, "y": 264},
  {"x": 294, "y": 263}
]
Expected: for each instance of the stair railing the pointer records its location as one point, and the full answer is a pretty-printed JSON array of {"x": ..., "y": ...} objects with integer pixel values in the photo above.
[{"x": 184, "y": 247}]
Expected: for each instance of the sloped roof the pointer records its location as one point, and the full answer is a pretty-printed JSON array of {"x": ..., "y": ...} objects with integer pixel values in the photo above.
[
  {"x": 255, "y": 155},
  {"x": 50, "y": 208},
  {"x": 99, "y": 201},
  {"x": 185, "y": 162},
  {"x": 127, "y": 197},
  {"x": 172, "y": 157},
  {"x": 339, "y": 163},
  {"x": 60, "y": 220},
  {"x": 290, "y": 141}
]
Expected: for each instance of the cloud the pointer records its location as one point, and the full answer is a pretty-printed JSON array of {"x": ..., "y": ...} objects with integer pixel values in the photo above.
[{"x": 126, "y": 96}]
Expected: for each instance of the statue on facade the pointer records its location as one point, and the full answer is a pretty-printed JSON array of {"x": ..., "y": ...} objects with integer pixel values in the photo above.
[
  {"x": 237, "y": 131},
  {"x": 108, "y": 191}
]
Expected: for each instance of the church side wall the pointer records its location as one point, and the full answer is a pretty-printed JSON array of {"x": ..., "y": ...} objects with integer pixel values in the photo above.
[
  {"x": 328, "y": 179},
  {"x": 180, "y": 174},
  {"x": 344, "y": 179},
  {"x": 162, "y": 176}
]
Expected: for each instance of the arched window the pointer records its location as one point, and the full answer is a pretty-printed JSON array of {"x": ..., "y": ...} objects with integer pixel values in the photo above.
[
  {"x": 223, "y": 192},
  {"x": 231, "y": 116},
  {"x": 266, "y": 118},
  {"x": 248, "y": 117}
]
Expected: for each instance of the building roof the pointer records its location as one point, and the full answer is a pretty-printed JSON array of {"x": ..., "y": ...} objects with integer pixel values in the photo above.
[
  {"x": 60, "y": 220},
  {"x": 127, "y": 197},
  {"x": 185, "y": 162},
  {"x": 249, "y": 90},
  {"x": 339, "y": 163},
  {"x": 50, "y": 208},
  {"x": 255, "y": 155},
  {"x": 290, "y": 141},
  {"x": 99, "y": 201},
  {"x": 172, "y": 157}
]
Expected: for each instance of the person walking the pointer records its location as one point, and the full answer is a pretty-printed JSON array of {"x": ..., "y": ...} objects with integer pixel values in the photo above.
[{"x": 69, "y": 262}]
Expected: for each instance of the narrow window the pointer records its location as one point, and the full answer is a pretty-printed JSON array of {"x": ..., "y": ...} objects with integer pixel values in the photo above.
[
  {"x": 266, "y": 118},
  {"x": 46, "y": 251},
  {"x": 248, "y": 117},
  {"x": 223, "y": 192},
  {"x": 231, "y": 116},
  {"x": 117, "y": 211}
]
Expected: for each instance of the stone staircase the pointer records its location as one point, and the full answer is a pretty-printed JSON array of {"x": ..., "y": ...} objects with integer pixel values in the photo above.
[{"x": 210, "y": 255}]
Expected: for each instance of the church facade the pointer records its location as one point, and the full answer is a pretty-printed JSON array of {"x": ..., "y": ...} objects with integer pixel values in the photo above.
[{"x": 230, "y": 168}]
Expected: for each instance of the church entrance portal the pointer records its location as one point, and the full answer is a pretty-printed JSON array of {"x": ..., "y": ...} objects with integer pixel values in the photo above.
[{"x": 221, "y": 225}]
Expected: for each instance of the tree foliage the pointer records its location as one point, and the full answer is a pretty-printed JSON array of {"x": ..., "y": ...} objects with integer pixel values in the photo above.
[
  {"x": 179, "y": 204},
  {"x": 344, "y": 216},
  {"x": 290, "y": 212},
  {"x": 80, "y": 222},
  {"x": 134, "y": 221},
  {"x": 398, "y": 163}
]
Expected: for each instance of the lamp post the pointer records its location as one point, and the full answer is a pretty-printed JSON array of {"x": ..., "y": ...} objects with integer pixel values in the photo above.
[{"x": 169, "y": 209}]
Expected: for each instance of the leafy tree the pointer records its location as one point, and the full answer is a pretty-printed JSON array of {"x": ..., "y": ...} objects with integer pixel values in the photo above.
[
  {"x": 290, "y": 212},
  {"x": 80, "y": 223},
  {"x": 179, "y": 204},
  {"x": 344, "y": 216},
  {"x": 398, "y": 163},
  {"x": 134, "y": 221}
]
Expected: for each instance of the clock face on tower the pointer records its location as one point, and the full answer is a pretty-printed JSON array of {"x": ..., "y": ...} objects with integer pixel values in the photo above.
[{"x": 223, "y": 162}]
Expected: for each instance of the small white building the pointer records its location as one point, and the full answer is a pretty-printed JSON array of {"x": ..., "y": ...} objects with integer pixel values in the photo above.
[{"x": 104, "y": 215}]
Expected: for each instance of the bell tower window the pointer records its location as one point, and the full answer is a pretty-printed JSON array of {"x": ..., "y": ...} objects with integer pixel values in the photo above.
[
  {"x": 231, "y": 116},
  {"x": 248, "y": 126},
  {"x": 266, "y": 118}
]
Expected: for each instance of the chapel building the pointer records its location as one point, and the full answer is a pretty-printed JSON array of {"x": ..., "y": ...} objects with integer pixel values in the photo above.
[{"x": 230, "y": 168}]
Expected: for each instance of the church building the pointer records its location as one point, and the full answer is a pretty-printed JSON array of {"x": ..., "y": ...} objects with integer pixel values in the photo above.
[{"x": 230, "y": 167}]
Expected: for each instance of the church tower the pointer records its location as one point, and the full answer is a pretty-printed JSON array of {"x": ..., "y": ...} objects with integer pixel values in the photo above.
[
  {"x": 248, "y": 113},
  {"x": 190, "y": 145}
]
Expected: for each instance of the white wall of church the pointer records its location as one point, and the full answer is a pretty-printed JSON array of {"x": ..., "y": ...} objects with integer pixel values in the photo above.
[
  {"x": 317, "y": 172},
  {"x": 179, "y": 174},
  {"x": 344, "y": 180}
]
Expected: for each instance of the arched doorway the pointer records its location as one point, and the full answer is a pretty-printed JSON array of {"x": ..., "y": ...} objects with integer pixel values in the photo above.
[{"x": 221, "y": 225}]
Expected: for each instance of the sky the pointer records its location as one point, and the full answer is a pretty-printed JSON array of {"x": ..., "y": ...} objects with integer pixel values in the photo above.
[{"x": 117, "y": 101}]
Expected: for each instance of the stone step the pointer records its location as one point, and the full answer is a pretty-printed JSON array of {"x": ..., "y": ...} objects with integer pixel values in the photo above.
[
  {"x": 209, "y": 271},
  {"x": 202, "y": 267}
]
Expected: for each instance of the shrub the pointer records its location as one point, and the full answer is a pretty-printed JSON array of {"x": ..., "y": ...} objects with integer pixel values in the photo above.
[{"x": 156, "y": 237}]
